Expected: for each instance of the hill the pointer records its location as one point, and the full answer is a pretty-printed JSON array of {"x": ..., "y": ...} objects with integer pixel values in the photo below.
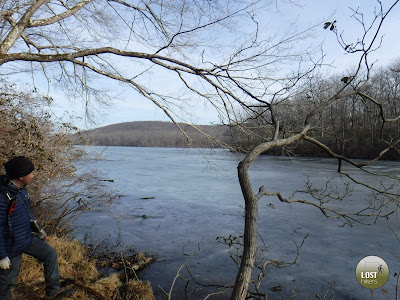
[{"x": 155, "y": 134}]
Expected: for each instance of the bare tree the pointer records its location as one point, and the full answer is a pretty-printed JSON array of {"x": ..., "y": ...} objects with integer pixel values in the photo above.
[
  {"x": 75, "y": 43},
  {"x": 349, "y": 88}
]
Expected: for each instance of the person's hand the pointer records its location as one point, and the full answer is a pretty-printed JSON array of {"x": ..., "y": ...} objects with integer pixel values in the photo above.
[{"x": 5, "y": 263}]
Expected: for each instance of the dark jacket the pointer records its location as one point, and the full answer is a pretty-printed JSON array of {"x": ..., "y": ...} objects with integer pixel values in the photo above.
[{"x": 14, "y": 242}]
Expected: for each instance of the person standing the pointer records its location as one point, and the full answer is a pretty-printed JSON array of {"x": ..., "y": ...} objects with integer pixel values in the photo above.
[{"x": 16, "y": 235}]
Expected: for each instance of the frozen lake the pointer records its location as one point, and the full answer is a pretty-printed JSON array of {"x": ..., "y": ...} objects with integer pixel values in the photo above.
[{"x": 193, "y": 197}]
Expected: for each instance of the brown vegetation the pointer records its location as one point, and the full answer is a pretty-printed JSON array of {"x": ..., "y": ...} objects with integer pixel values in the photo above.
[
  {"x": 58, "y": 195},
  {"x": 79, "y": 273}
]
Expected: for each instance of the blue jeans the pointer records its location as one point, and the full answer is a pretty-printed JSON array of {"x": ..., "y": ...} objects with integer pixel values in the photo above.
[{"x": 44, "y": 253}]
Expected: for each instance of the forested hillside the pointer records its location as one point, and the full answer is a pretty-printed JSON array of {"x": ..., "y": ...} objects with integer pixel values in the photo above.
[
  {"x": 358, "y": 126},
  {"x": 352, "y": 127},
  {"x": 156, "y": 134}
]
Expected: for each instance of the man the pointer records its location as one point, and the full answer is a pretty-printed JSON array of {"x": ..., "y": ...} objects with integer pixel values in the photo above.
[{"x": 15, "y": 230}]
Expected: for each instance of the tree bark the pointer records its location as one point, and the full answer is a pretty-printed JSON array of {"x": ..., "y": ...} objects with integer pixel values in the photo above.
[{"x": 250, "y": 233}]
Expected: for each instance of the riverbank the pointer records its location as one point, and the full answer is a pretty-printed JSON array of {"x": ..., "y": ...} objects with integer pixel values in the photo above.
[{"x": 81, "y": 276}]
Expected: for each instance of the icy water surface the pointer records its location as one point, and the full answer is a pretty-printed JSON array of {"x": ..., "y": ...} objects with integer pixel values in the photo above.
[{"x": 193, "y": 197}]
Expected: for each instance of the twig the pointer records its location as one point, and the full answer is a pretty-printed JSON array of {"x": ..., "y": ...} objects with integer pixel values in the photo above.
[
  {"x": 173, "y": 282},
  {"x": 125, "y": 270}
]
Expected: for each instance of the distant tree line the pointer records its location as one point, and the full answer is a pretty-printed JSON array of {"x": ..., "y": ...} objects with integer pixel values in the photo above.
[{"x": 351, "y": 127}]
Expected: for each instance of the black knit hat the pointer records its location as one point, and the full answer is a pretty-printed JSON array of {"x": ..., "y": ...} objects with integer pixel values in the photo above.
[{"x": 18, "y": 167}]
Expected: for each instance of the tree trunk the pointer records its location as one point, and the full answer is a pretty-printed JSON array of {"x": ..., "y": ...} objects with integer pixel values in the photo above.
[
  {"x": 250, "y": 234},
  {"x": 251, "y": 213}
]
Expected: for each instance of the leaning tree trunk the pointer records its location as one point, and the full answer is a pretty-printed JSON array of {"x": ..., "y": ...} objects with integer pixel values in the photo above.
[
  {"x": 250, "y": 233},
  {"x": 251, "y": 214}
]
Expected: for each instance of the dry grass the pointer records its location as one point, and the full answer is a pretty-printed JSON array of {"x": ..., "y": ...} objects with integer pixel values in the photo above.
[
  {"x": 78, "y": 272},
  {"x": 138, "y": 290},
  {"x": 73, "y": 262}
]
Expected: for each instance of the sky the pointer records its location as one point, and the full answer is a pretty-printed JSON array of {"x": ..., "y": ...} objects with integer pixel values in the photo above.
[{"x": 128, "y": 106}]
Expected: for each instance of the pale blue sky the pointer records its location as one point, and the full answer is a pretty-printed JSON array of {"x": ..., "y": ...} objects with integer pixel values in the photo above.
[{"x": 128, "y": 106}]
